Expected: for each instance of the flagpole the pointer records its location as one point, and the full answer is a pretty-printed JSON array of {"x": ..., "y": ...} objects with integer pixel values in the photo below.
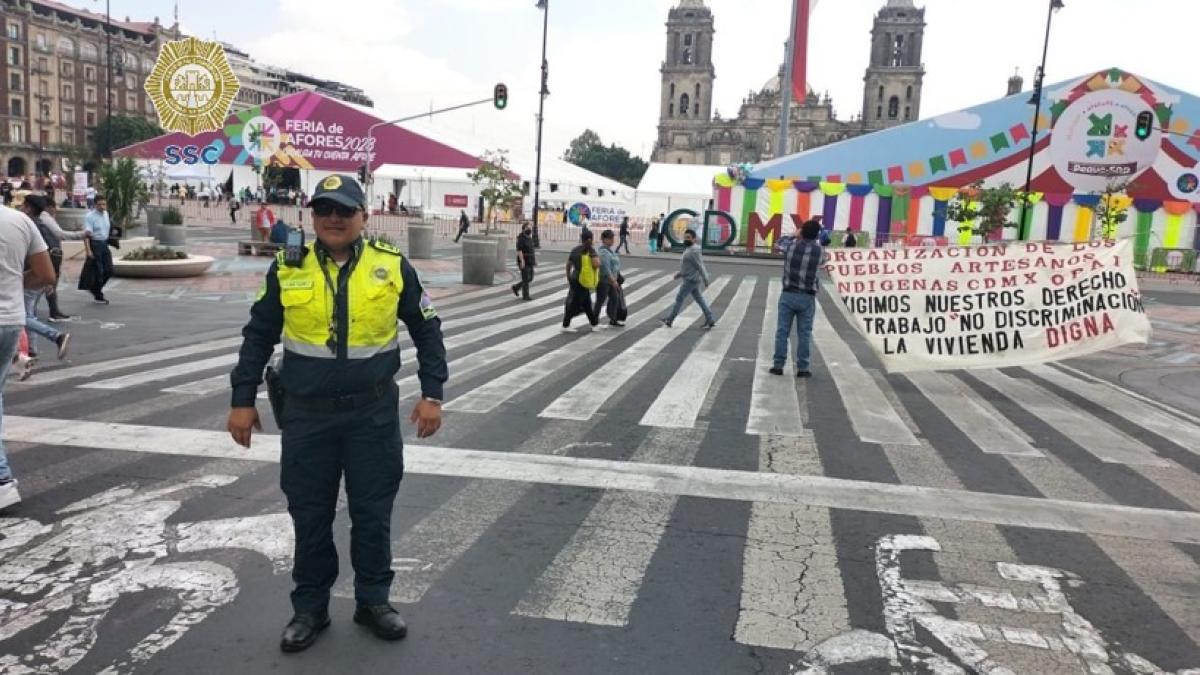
[{"x": 785, "y": 86}]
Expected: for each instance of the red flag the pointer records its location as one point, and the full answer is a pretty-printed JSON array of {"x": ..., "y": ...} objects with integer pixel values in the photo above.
[{"x": 800, "y": 50}]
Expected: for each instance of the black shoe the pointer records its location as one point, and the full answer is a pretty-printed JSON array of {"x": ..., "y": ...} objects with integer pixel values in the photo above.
[
  {"x": 666, "y": 322},
  {"x": 302, "y": 631},
  {"x": 776, "y": 371},
  {"x": 709, "y": 325},
  {"x": 527, "y": 298},
  {"x": 55, "y": 318},
  {"x": 384, "y": 621},
  {"x": 516, "y": 291},
  {"x": 803, "y": 373},
  {"x": 100, "y": 300}
]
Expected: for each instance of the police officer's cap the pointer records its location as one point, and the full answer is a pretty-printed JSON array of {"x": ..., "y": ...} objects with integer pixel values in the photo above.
[{"x": 342, "y": 189}]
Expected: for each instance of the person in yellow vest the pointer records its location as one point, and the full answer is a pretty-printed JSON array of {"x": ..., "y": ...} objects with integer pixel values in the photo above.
[{"x": 336, "y": 303}]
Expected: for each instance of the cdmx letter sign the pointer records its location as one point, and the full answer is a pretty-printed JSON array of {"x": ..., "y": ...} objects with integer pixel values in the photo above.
[{"x": 717, "y": 232}]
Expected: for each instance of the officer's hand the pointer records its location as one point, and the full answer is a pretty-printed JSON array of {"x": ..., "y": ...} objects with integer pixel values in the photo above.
[
  {"x": 241, "y": 423},
  {"x": 427, "y": 415}
]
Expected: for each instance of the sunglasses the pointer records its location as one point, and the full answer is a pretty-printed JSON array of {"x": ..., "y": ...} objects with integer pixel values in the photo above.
[{"x": 328, "y": 208}]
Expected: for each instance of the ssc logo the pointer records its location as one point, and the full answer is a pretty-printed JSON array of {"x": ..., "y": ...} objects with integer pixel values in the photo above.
[{"x": 192, "y": 86}]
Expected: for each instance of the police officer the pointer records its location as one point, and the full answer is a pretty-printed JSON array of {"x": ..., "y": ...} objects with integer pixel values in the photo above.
[{"x": 336, "y": 307}]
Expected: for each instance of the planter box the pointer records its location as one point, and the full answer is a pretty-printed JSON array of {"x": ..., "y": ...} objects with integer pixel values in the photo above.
[
  {"x": 172, "y": 235},
  {"x": 479, "y": 260},
  {"x": 73, "y": 248},
  {"x": 192, "y": 266},
  {"x": 420, "y": 241},
  {"x": 501, "y": 240}
]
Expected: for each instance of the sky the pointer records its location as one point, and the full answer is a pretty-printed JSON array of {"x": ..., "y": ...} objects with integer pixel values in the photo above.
[{"x": 414, "y": 55}]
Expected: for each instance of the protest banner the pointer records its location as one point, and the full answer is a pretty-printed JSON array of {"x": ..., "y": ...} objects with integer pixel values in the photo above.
[{"x": 1006, "y": 304}]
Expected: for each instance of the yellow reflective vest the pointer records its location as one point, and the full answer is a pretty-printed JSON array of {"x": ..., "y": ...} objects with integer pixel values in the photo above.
[{"x": 373, "y": 292}]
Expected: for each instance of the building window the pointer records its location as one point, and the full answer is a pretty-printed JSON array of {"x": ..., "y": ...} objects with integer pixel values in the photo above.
[
  {"x": 149, "y": 106},
  {"x": 14, "y": 31},
  {"x": 89, "y": 74},
  {"x": 130, "y": 82},
  {"x": 68, "y": 136},
  {"x": 879, "y": 112},
  {"x": 89, "y": 95},
  {"x": 68, "y": 69},
  {"x": 131, "y": 102},
  {"x": 16, "y": 132},
  {"x": 893, "y": 107},
  {"x": 671, "y": 109},
  {"x": 41, "y": 42},
  {"x": 907, "y": 113},
  {"x": 908, "y": 93},
  {"x": 88, "y": 51},
  {"x": 44, "y": 89},
  {"x": 89, "y": 137},
  {"x": 14, "y": 56},
  {"x": 684, "y": 105},
  {"x": 697, "y": 91},
  {"x": 14, "y": 81},
  {"x": 68, "y": 92},
  {"x": 696, "y": 107},
  {"x": 687, "y": 55},
  {"x": 16, "y": 107},
  {"x": 898, "y": 51},
  {"x": 89, "y": 119},
  {"x": 672, "y": 91},
  {"x": 68, "y": 114},
  {"x": 43, "y": 66},
  {"x": 66, "y": 47},
  {"x": 881, "y": 92}
]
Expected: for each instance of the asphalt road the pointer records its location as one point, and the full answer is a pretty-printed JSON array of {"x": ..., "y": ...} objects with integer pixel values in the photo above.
[{"x": 640, "y": 500}]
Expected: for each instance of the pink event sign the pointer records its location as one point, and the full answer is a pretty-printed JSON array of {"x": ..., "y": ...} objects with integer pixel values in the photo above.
[{"x": 306, "y": 131}]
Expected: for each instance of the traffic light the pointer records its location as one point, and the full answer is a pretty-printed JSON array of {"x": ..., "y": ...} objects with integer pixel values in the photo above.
[
  {"x": 500, "y": 97},
  {"x": 363, "y": 174},
  {"x": 1145, "y": 125}
]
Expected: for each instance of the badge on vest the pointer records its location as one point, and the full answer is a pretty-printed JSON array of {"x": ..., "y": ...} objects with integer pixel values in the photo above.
[
  {"x": 294, "y": 284},
  {"x": 427, "y": 309},
  {"x": 380, "y": 273}
]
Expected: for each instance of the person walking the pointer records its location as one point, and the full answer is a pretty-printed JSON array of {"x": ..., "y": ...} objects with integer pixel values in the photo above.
[
  {"x": 34, "y": 207},
  {"x": 21, "y": 249},
  {"x": 652, "y": 237},
  {"x": 693, "y": 278},
  {"x": 583, "y": 275},
  {"x": 97, "y": 227},
  {"x": 234, "y": 206},
  {"x": 41, "y": 210},
  {"x": 662, "y": 231},
  {"x": 464, "y": 224},
  {"x": 608, "y": 290},
  {"x": 624, "y": 232},
  {"x": 336, "y": 309},
  {"x": 798, "y": 301},
  {"x": 526, "y": 261}
]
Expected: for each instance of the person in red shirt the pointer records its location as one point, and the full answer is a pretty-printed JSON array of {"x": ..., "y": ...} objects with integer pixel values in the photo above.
[{"x": 264, "y": 220}]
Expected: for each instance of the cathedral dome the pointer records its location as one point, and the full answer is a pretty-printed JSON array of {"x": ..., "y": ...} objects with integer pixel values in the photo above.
[{"x": 772, "y": 85}]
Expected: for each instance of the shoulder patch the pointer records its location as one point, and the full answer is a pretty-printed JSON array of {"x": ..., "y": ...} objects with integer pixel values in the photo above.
[
  {"x": 427, "y": 309},
  {"x": 385, "y": 247}
]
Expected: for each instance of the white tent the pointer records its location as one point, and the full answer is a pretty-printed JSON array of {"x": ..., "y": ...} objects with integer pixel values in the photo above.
[{"x": 666, "y": 187}]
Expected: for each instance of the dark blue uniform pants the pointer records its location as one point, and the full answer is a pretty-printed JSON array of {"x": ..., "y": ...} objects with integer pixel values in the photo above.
[{"x": 318, "y": 448}]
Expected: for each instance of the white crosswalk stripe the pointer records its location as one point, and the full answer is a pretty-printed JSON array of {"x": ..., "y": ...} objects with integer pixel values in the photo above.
[
  {"x": 678, "y": 404},
  {"x": 872, "y": 416},
  {"x": 590, "y": 394},
  {"x": 973, "y": 415},
  {"x": 774, "y": 404}
]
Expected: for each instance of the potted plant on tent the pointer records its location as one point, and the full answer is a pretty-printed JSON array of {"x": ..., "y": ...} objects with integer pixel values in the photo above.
[
  {"x": 983, "y": 211},
  {"x": 499, "y": 190}
]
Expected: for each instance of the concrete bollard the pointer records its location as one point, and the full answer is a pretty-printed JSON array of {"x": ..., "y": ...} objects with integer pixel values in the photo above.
[
  {"x": 154, "y": 216},
  {"x": 478, "y": 260},
  {"x": 420, "y": 241},
  {"x": 501, "y": 239},
  {"x": 70, "y": 220}
]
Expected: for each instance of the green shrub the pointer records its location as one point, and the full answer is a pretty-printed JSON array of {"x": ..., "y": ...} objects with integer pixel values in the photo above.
[
  {"x": 172, "y": 216},
  {"x": 154, "y": 253}
]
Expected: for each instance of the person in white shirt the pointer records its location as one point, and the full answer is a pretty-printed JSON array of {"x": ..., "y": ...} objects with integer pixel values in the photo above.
[{"x": 21, "y": 249}]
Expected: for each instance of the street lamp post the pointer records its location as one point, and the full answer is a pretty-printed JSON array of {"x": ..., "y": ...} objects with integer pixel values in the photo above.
[
  {"x": 108, "y": 54},
  {"x": 1055, "y": 5},
  {"x": 543, "y": 92}
]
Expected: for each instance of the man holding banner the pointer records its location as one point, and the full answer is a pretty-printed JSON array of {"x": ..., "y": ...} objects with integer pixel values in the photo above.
[{"x": 798, "y": 302}]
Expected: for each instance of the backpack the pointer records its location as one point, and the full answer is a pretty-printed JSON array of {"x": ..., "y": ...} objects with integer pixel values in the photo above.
[{"x": 589, "y": 276}]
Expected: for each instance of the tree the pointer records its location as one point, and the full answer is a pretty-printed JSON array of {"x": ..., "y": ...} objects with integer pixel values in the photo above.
[
  {"x": 125, "y": 130},
  {"x": 121, "y": 183},
  {"x": 1113, "y": 209},
  {"x": 498, "y": 188},
  {"x": 613, "y": 161},
  {"x": 983, "y": 211}
]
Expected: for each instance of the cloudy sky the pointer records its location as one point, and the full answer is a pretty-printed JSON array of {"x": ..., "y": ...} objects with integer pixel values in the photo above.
[{"x": 410, "y": 55}]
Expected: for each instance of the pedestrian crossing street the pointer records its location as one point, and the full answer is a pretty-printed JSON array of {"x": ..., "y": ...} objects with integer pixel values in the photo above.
[{"x": 803, "y": 570}]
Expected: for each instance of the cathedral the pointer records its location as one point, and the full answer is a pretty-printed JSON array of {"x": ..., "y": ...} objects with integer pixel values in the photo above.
[{"x": 690, "y": 132}]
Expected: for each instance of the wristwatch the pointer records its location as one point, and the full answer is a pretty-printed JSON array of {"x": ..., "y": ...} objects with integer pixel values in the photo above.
[{"x": 435, "y": 401}]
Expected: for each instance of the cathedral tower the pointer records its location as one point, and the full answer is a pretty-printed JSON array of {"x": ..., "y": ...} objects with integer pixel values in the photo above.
[
  {"x": 687, "y": 84},
  {"x": 892, "y": 93}
]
